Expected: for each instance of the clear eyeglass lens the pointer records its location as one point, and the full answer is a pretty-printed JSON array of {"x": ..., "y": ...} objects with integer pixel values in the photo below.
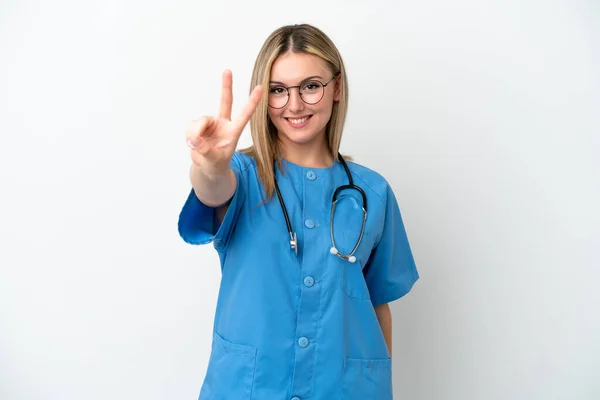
[{"x": 310, "y": 92}]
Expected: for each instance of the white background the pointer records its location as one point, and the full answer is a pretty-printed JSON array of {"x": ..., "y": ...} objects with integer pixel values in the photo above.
[{"x": 484, "y": 116}]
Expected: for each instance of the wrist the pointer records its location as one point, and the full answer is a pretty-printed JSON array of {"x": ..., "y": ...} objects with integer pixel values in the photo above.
[{"x": 212, "y": 171}]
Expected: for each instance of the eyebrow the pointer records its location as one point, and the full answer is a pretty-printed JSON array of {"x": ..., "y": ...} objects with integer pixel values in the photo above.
[{"x": 303, "y": 80}]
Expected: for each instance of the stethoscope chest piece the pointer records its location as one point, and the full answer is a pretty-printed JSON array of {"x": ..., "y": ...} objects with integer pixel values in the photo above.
[{"x": 294, "y": 242}]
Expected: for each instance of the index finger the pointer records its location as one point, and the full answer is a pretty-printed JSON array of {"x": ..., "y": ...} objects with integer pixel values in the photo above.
[
  {"x": 250, "y": 107},
  {"x": 226, "y": 95}
]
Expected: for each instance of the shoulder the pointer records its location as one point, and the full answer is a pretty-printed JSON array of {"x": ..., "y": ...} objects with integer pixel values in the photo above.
[
  {"x": 370, "y": 180},
  {"x": 243, "y": 161}
]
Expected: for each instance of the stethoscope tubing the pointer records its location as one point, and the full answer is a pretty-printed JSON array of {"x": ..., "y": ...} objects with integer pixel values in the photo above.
[{"x": 293, "y": 239}]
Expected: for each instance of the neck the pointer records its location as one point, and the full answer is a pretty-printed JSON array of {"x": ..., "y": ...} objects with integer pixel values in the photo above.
[{"x": 313, "y": 155}]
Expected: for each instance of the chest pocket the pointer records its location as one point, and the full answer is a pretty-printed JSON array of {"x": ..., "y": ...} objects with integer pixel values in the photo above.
[
  {"x": 347, "y": 225},
  {"x": 353, "y": 279}
]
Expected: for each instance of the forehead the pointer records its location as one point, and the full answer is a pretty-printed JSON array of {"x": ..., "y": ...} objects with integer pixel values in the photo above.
[{"x": 294, "y": 67}]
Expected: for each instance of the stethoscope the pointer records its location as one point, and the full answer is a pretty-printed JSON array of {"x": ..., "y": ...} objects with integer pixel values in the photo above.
[{"x": 293, "y": 240}]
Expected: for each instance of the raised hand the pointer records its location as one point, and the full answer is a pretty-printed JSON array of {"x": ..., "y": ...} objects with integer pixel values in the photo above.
[{"x": 213, "y": 140}]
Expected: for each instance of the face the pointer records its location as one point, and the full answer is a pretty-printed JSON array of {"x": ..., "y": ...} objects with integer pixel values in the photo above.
[{"x": 297, "y": 121}]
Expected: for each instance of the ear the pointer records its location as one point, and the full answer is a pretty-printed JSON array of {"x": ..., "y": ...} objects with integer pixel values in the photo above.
[{"x": 337, "y": 89}]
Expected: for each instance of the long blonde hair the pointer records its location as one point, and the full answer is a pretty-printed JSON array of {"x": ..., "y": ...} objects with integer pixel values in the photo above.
[{"x": 305, "y": 39}]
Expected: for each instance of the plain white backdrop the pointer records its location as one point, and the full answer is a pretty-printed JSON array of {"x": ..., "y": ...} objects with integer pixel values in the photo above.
[{"x": 483, "y": 115}]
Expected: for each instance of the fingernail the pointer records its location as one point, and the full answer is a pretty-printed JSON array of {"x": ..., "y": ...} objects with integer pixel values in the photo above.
[{"x": 190, "y": 144}]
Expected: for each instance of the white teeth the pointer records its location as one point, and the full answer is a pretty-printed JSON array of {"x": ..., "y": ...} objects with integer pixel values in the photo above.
[{"x": 298, "y": 121}]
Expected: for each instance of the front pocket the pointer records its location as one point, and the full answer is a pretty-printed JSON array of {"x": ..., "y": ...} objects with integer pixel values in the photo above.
[
  {"x": 367, "y": 379},
  {"x": 230, "y": 372}
]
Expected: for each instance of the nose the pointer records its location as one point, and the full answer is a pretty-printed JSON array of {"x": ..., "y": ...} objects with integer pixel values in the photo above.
[{"x": 295, "y": 103}]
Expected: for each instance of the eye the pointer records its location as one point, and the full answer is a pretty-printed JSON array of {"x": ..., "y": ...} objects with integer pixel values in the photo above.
[
  {"x": 311, "y": 86},
  {"x": 277, "y": 90}
]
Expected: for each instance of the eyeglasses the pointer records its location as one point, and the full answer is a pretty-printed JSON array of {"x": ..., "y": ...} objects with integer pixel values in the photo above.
[{"x": 311, "y": 92}]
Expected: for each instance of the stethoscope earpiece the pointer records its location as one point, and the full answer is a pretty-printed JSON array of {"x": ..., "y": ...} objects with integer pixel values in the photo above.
[{"x": 335, "y": 251}]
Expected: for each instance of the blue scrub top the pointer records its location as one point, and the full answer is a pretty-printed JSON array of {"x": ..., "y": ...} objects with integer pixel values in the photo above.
[{"x": 302, "y": 327}]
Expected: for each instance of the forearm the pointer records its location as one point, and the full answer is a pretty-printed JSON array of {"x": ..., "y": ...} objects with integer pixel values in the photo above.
[
  {"x": 213, "y": 188},
  {"x": 384, "y": 315}
]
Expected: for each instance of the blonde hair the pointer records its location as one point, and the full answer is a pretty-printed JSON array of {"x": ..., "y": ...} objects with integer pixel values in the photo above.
[{"x": 304, "y": 39}]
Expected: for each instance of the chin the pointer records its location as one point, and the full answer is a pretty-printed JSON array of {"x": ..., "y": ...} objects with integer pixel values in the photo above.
[{"x": 301, "y": 138}]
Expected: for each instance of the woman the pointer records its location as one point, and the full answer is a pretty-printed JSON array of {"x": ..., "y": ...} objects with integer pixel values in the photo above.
[{"x": 303, "y": 307}]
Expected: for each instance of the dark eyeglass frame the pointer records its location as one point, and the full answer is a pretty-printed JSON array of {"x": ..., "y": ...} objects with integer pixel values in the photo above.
[{"x": 287, "y": 89}]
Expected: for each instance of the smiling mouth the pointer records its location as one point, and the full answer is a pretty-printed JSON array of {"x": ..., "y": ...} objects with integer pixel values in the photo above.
[{"x": 299, "y": 120}]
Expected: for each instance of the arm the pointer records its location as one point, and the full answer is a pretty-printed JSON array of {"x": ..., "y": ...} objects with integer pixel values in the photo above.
[
  {"x": 213, "y": 141},
  {"x": 213, "y": 190},
  {"x": 384, "y": 315}
]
